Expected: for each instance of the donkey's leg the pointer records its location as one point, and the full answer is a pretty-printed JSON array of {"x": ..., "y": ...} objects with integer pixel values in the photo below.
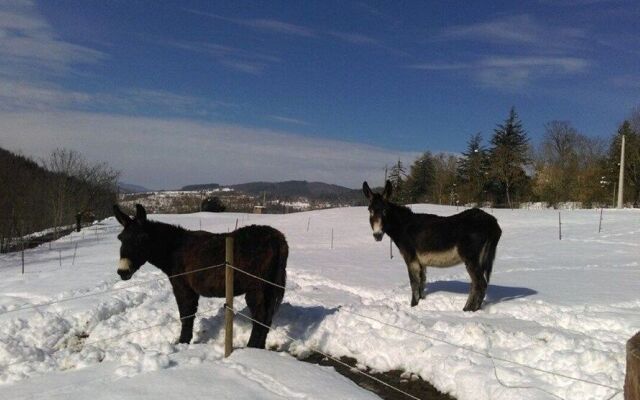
[
  {"x": 478, "y": 287},
  {"x": 258, "y": 306},
  {"x": 423, "y": 281},
  {"x": 187, "y": 301},
  {"x": 414, "y": 278}
]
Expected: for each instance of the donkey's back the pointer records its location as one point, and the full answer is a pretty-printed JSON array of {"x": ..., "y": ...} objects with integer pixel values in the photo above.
[{"x": 259, "y": 250}]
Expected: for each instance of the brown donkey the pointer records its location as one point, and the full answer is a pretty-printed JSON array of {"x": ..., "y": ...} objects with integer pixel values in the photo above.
[
  {"x": 259, "y": 250},
  {"x": 430, "y": 240}
]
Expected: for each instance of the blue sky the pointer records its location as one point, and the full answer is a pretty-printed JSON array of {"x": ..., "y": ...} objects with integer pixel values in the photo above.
[{"x": 189, "y": 92}]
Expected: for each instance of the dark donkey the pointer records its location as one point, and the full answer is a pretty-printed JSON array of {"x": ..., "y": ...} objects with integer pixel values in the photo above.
[
  {"x": 430, "y": 240},
  {"x": 259, "y": 250}
]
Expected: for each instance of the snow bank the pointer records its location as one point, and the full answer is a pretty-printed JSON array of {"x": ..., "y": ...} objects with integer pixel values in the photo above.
[{"x": 563, "y": 306}]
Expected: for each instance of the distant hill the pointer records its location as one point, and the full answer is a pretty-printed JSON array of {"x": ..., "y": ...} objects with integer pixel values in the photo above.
[
  {"x": 310, "y": 190},
  {"x": 203, "y": 186},
  {"x": 131, "y": 188}
]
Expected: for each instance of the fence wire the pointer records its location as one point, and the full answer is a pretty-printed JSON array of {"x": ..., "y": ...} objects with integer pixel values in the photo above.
[
  {"x": 470, "y": 349},
  {"x": 236, "y": 312},
  {"x": 436, "y": 339},
  {"x": 112, "y": 290}
]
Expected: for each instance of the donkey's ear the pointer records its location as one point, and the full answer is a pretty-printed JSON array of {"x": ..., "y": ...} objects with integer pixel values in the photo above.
[
  {"x": 367, "y": 190},
  {"x": 141, "y": 213},
  {"x": 123, "y": 218},
  {"x": 386, "y": 194}
]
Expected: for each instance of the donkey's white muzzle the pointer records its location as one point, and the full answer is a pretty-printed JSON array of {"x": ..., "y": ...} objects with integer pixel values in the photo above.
[{"x": 124, "y": 269}]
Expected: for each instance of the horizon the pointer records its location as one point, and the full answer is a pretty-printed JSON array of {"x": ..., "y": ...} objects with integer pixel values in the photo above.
[{"x": 178, "y": 93}]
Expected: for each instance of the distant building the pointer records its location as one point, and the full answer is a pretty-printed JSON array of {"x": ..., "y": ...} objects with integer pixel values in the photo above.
[{"x": 258, "y": 209}]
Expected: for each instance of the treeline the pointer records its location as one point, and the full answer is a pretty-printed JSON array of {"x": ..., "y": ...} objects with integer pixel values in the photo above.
[
  {"x": 567, "y": 166},
  {"x": 36, "y": 196}
]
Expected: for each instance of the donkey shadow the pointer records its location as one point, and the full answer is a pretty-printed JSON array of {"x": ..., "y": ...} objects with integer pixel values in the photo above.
[
  {"x": 297, "y": 321},
  {"x": 495, "y": 293}
]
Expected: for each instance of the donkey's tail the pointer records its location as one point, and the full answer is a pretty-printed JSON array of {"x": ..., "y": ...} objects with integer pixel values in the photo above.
[
  {"x": 275, "y": 294},
  {"x": 488, "y": 252}
]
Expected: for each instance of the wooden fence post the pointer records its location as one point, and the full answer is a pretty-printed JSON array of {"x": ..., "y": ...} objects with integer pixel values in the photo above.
[
  {"x": 228, "y": 312},
  {"x": 332, "y": 238},
  {"x": 600, "y": 224},
  {"x": 75, "y": 250},
  {"x": 632, "y": 380},
  {"x": 22, "y": 256},
  {"x": 559, "y": 226}
]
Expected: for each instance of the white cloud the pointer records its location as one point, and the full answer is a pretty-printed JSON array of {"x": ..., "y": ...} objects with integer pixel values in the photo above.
[
  {"x": 22, "y": 95},
  {"x": 29, "y": 46},
  {"x": 511, "y": 72},
  {"x": 281, "y": 27},
  {"x": 288, "y": 120},
  {"x": 165, "y": 153},
  {"x": 269, "y": 25},
  {"x": 251, "y": 62},
  {"x": 517, "y": 30}
]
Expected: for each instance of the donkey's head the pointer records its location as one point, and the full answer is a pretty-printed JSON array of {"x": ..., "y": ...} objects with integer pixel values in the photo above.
[
  {"x": 135, "y": 242},
  {"x": 378, "y": 206}
]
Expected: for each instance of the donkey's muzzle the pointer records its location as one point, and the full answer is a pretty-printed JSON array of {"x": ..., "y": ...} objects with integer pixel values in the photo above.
[
  {"x": 125, "y": 274},
  {"x": 378, "y": 236}
]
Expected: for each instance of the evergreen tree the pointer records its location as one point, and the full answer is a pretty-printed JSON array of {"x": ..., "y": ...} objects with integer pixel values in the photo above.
[
  {"x": 508, "y": 155},
  {"x": 419, "y": 185},
  {"x": 473, "y": 169}
]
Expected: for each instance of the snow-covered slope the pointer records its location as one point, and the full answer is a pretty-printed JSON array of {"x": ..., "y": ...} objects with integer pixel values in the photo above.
[{"x": 562, "y": 306}]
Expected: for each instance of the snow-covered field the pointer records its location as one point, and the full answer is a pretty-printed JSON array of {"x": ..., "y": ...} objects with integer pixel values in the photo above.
[{"x": 567, "y": 307}]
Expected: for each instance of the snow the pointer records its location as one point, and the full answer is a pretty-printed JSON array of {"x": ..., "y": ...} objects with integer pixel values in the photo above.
[{"x": 566, "y": 306}]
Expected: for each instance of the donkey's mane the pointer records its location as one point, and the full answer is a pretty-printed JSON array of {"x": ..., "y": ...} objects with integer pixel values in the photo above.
[
  {"x": 165, "y": 231},
  {"x": 163, "y": 226},
  {"x": 402, "y": 212}
]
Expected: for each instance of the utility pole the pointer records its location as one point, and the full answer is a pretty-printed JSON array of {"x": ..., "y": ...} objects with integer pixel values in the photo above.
[{"x": 621, "y": 177}]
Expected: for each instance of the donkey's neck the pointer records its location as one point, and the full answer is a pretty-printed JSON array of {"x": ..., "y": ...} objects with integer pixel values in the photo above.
[
  {"x": 166, "y": 239},
  {"x": 396, "y": 220}
]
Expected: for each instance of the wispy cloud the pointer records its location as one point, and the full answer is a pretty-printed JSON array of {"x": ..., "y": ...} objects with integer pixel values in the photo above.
[
  {"x": 288, "y": 120},
  {"x": 538, "y": 51},
  {"x": 251, "y": 62},
  {"x": 511, "y": 72},
  {"x": 263, "y": 24},
  {"x": 23, "y": 95},
  {"x": 20, "y": 95},
  {"x": 30, "y": 47},
  {"x": 166, "y": 153},
  {"x": 286, "y": 28},
  {"x": 519, "y": 30}
]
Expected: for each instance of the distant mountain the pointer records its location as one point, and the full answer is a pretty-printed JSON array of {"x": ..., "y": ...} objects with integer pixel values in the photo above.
[
  {"x": 310, "y": 190},
  {"x": 202, "y": 186},
  {"x": 131, "y": 188}
]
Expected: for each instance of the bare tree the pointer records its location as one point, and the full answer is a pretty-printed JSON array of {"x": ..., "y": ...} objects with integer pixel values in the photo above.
[{"x": 80, "y": 185}]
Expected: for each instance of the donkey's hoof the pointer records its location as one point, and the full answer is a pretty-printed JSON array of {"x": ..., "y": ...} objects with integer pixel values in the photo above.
[
  {"x": 414, "y": 302},
  {"x": 472, "y": 308},
  {"x": 184, "y": 340}
]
